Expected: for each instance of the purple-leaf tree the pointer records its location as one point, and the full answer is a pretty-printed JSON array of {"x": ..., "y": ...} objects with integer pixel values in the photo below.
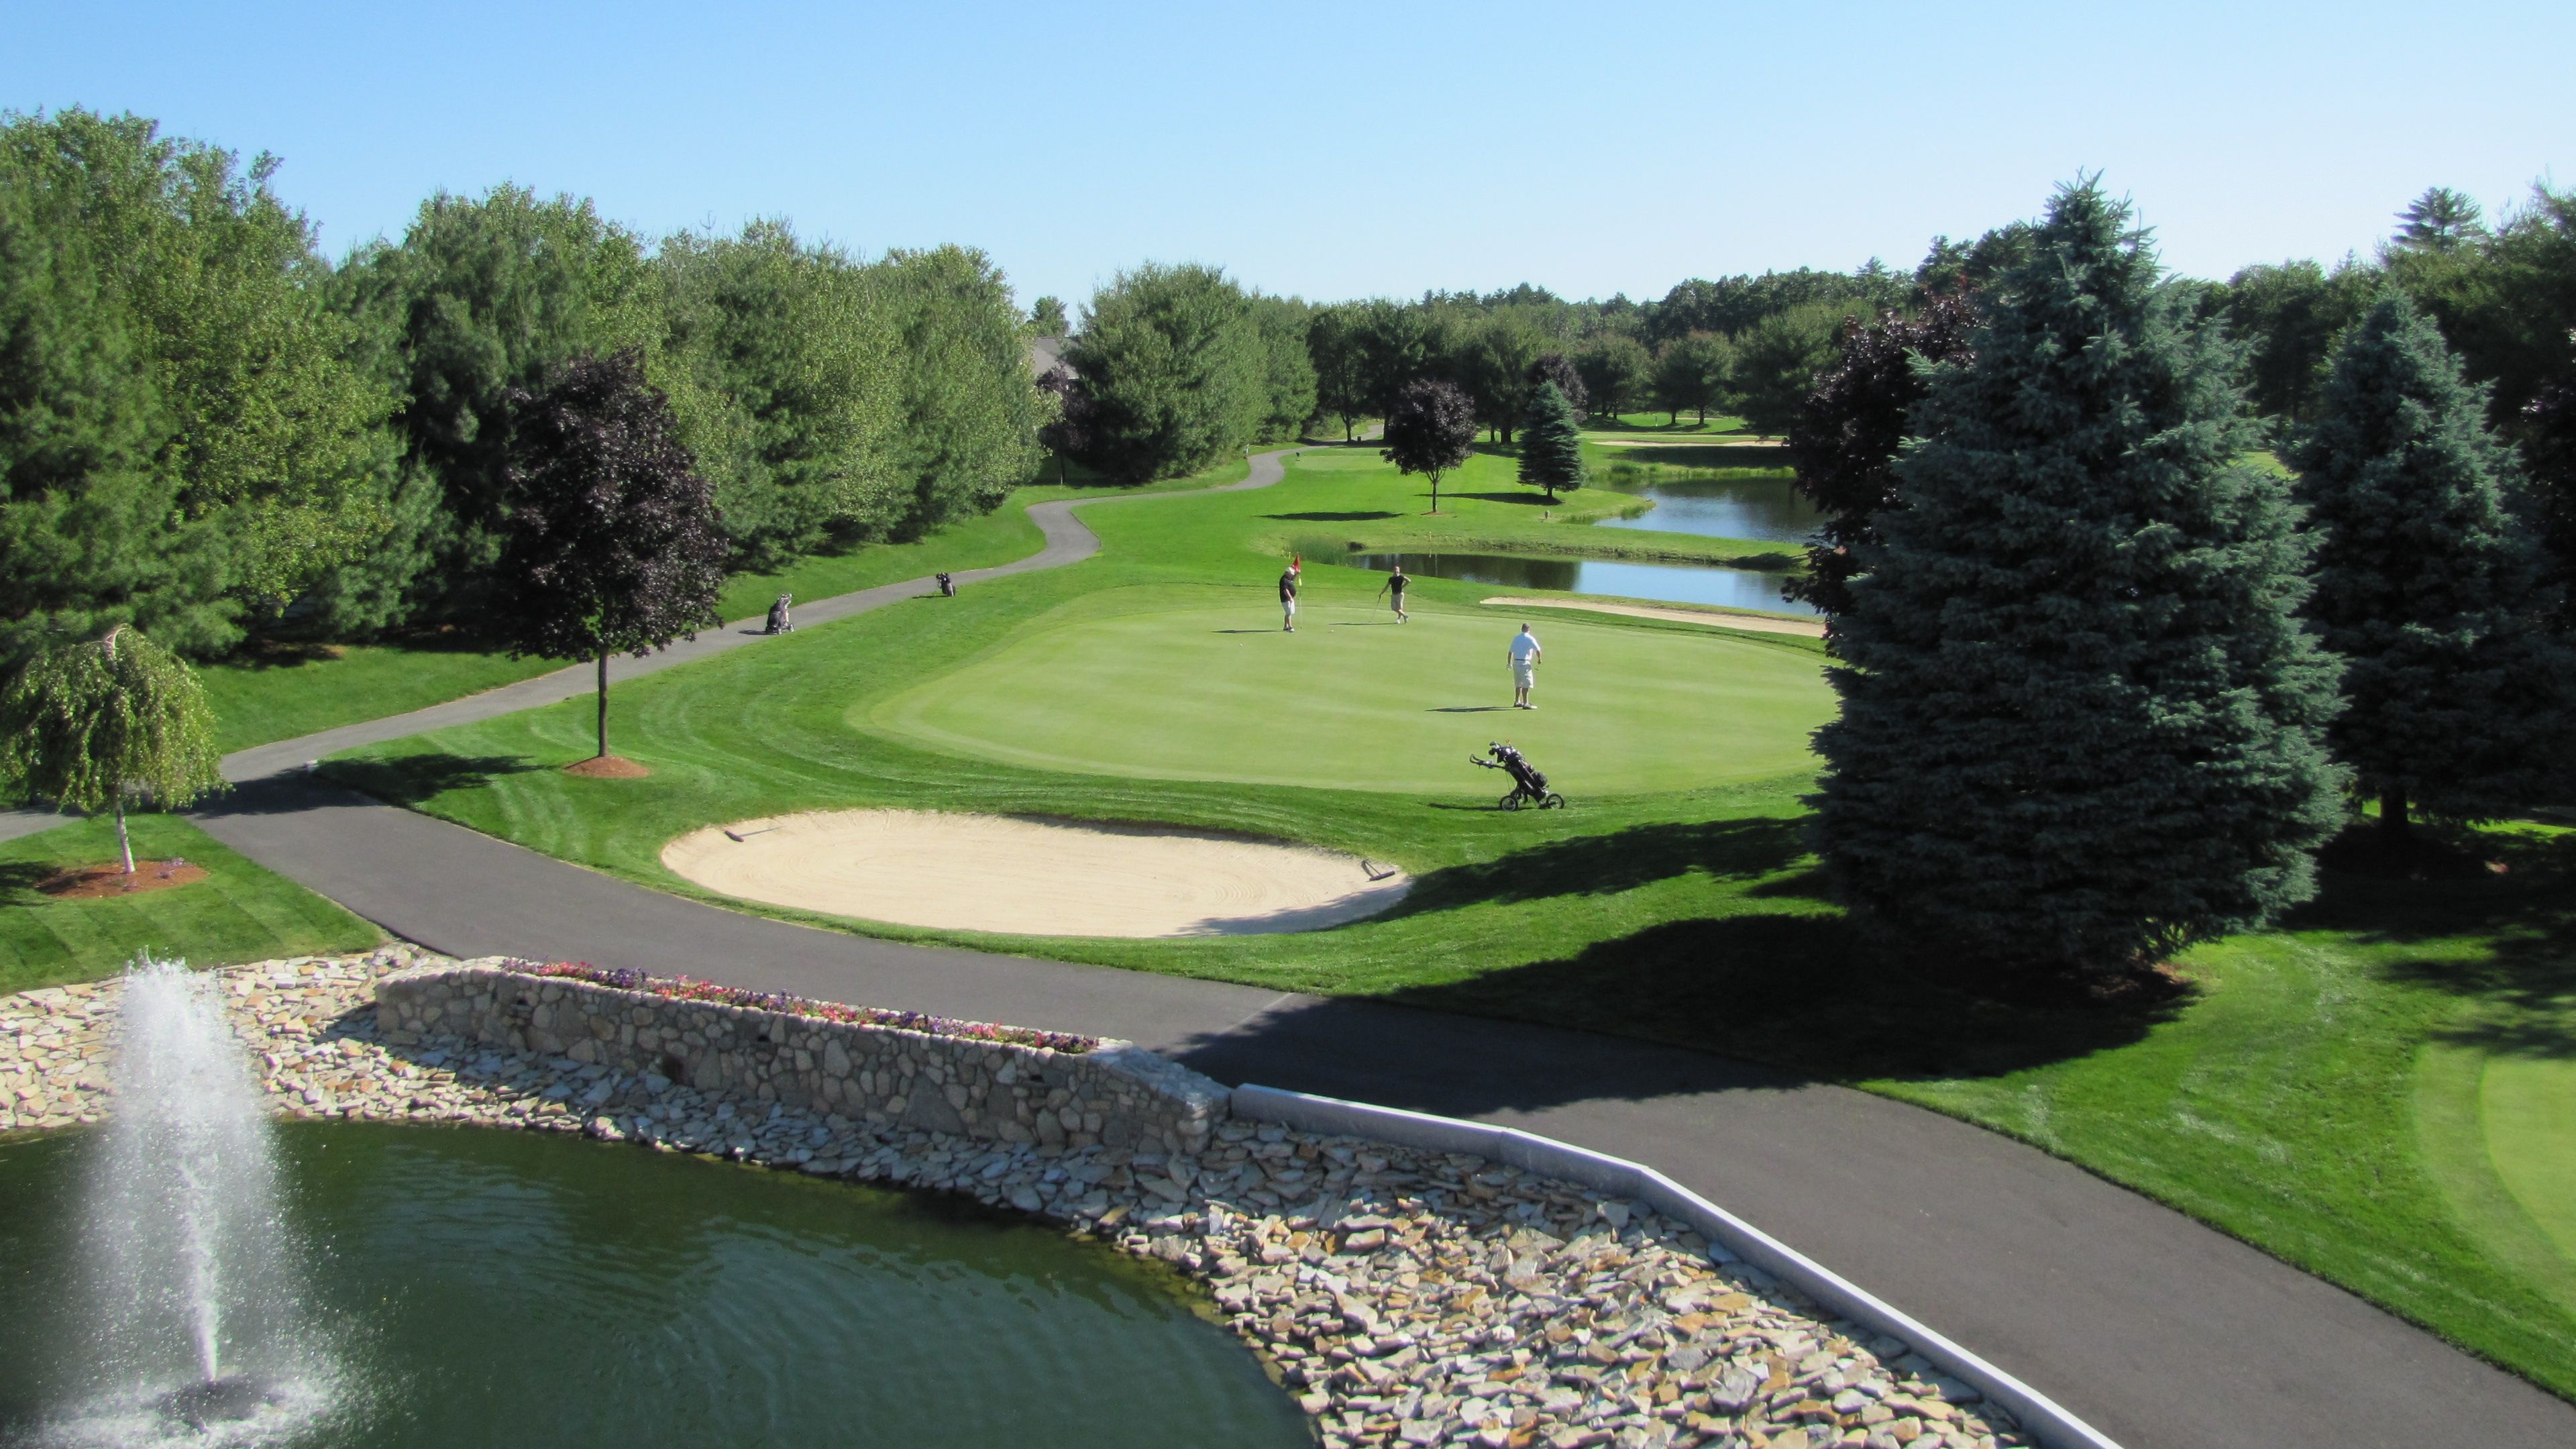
[
  {"x": 1849, "y": 430},
  {"x": 1068, "y": 434},
  {"x": 613, "y": 544},
  {"x": 1432, "y": 430}
]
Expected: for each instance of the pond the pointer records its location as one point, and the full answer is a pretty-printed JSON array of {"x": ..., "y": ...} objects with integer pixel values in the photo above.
[
  {"x": 1673, "y": 583},
  {"x": 487, "y": 1287},
  {"x": 1768, "y": 509}
]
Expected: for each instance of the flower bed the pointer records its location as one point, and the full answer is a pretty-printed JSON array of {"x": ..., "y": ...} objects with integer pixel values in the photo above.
[{"x": 687, "y": 988}]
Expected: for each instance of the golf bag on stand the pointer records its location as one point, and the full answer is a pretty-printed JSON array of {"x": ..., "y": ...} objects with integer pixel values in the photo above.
[{"x": 779, "y": 623}]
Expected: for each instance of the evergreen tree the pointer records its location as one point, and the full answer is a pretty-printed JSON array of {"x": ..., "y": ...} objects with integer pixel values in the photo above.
[
  {"x": 95, "y": 726},
  {"x": 2081, "y": 723},
  {"x": 1552, "y": 445},
  {"x": 1431, "y": 430},
  {"x": 614, "y": 542},
  {"x": 2425, "y": 585}
]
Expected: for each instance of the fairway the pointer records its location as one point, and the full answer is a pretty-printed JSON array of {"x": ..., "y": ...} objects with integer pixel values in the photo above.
[{"x": 1201, "y": 684}]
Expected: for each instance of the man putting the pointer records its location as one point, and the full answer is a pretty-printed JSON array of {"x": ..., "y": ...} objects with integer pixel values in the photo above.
[
  {"x": 1525, "y": 653},
  {"x": 1396, "y": 583},
  {"x": 1288, "y": 598}
]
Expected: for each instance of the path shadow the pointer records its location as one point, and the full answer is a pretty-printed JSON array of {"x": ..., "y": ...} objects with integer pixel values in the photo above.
[
  {"x": 1363, "y": 517},
  {"x": 413, "y": 779}
]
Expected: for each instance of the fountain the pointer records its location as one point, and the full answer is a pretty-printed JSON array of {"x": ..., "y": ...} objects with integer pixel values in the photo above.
[{"x": 191, "y": 1290}]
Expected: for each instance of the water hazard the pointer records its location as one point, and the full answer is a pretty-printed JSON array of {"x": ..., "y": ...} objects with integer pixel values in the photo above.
[
  {"x": 1674, "y": 583},
  {"x": 479, "y": 1287},
  {"x": 1768, "y": 509}
]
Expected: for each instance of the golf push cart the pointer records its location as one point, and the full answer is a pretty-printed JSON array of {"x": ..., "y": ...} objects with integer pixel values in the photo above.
[{"x": 1529, "y": 787}]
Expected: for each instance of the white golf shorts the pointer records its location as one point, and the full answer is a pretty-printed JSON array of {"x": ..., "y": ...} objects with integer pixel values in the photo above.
[{"x": 1524, "y": 676}]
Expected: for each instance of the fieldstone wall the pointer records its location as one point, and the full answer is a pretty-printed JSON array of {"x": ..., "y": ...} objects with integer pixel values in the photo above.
[{"x": 1116, "y": 1095}]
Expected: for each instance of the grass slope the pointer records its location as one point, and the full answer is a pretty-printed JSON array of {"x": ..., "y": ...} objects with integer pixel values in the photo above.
[
  {"x": 2296, "y": 1096},
  {"x": 239, "y": 912},
  {"x": 288, "y": 694}
]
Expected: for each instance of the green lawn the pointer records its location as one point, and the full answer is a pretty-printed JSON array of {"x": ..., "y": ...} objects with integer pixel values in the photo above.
[
  {"x": 1201, "y": 684},
  {"x": 289, "y": 694},
  {"x": 239, "y": 912},
  {"x": 2374, "y": 1092}
]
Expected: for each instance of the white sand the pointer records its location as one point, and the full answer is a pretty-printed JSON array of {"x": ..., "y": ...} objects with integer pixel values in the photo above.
[
  {"x": 1023, "y": 876},
  {"x": 1758, "y": 623}
]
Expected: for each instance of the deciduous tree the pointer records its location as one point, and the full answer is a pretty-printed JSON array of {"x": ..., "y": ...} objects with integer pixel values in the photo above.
[
  {"x": 1616, "y": 368},
  {"x": 1848, "y": 432},
  {"x": 1694, "y": 372},
  {"x": 2426, "y": 586},
  {"x": 1177, "y": 369},
  {"x": 1431, "y": 430},
  {"x": 1776, "y": 362},
  {"x": 1555, "y": 367},
  {"x": 99, "y": 725},
  {"x": 2082, "y": 724},
  {"x": 614, "y": 543}
]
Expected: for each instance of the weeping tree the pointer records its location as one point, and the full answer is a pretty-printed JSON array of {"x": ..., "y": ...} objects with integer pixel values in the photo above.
[
  {"x": 1551, "y": 443},
  {"x": 2082, "y": 725},
  {"x": 613, "y": 543},
  {"x": 1431, "y": 430},
  {"x": 93, "y": 726},
  {"x": 2427, "y": 586}
]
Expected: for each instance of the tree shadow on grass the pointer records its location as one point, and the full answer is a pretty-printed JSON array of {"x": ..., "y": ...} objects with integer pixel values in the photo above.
[
  {"x": 1609, "y": 864},
  {"x": 18, "y": 880},
  {"x": 1363, "y": 517}
]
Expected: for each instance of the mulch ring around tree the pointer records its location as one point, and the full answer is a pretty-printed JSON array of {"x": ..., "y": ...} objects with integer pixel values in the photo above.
[
  {"x": 607, "y": 767},
  {"x": 89, "y": 882}
]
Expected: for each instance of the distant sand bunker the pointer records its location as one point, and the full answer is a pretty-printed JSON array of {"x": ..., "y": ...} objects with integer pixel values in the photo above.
[{"x": 1029, "y": 877}]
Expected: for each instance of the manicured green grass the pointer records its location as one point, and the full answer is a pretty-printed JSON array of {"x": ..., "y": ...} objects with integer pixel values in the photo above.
[
  {"x": 239, "y": 912},
  {"x": 1202, "y": 684},
  {"x": 973, "y": 543},
  {"x": 289, "y": 694},
  {"x": 2308, "y": 1093}
]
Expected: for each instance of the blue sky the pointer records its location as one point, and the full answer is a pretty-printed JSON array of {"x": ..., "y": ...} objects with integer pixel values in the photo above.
[{"x": 1344, "y": 150}]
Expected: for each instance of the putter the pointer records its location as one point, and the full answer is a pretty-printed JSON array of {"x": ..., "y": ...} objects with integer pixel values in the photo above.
[{"x": 746, "y": 835}]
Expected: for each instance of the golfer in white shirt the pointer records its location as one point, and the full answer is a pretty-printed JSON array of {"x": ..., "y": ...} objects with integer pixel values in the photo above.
[{"x": 1524, "y": 667}]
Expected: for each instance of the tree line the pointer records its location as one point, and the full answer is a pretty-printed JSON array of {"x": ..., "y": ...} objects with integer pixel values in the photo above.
[
  {"x": 2108, "y": 680},
  {"x": 209, "y": 430}
]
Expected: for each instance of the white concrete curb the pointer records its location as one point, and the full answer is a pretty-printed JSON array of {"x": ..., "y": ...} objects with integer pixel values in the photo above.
[{"x": 2053, "y": 1427}]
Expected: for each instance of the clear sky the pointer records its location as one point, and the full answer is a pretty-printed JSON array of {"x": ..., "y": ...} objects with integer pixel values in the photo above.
[{"x": 1342, "y": 150}]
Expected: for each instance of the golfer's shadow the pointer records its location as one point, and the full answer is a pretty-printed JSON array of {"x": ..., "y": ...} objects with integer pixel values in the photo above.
[
  {"x": 1466, "y": 708},
  {"x": 1247, "y": 631}
]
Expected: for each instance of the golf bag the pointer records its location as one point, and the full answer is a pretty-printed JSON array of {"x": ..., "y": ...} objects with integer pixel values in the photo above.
[
  {"x": 947, "y": 586},
  {"x": 779, "y": 623},
  {"x": 1529, "y": 787}
]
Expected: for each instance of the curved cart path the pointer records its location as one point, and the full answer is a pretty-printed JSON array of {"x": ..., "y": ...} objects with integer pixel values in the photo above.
[{"x": 2159, "y": 1331}]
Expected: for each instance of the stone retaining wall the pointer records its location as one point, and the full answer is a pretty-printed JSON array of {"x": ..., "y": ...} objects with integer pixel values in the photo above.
[{"x": 1116, "y": 1095}]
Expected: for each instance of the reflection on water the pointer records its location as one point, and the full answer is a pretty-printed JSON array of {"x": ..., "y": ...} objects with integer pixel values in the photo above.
[
  {"x": 509, "y": 1288},
  {"x": 1677, "y": 583},
  {"x": 1760, "y": 508}
]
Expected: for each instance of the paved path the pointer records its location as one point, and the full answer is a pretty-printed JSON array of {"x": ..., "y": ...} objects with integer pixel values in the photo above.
[{"x": 2161, "y": 1332}]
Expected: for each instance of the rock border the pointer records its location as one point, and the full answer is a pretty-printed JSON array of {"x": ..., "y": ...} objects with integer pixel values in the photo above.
[{"x": 1406, "y": 1296}]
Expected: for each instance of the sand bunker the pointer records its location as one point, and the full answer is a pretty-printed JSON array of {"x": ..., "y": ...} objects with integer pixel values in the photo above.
[
  {"x": 1758, "y": 623},
  {"x": 1030, "y": 877}
]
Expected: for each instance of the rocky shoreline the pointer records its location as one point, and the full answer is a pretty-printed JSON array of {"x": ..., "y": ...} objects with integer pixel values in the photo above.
[{"x": 1403, "y": 1297}]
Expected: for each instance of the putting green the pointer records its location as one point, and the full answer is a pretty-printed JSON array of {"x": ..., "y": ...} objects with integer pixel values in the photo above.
[
  {"x": 1201, "y": 684},
  {"x": 2529, "y": 1106}
]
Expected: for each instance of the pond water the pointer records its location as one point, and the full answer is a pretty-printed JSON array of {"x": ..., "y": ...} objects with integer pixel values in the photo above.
[
  {"x": 1759, "y": 508},
  {"x": 486, "y": 1287},
  {"x": 1674, "y": 583}
]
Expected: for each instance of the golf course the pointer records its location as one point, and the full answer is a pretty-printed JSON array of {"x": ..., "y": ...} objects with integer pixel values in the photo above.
[{"x": 2297, "y": 1094}]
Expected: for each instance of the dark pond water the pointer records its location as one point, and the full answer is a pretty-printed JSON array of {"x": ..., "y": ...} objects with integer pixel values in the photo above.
[
  {"x": 504, "y": 1288},
  {"x": 1759, "y": 508},
  {"x": 1675, "y": 583}
]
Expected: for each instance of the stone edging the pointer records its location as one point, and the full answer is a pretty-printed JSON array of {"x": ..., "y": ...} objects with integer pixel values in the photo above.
[
  {"x": 2048, "y": 1422},
  {"x": 1116, "y": 1093}
]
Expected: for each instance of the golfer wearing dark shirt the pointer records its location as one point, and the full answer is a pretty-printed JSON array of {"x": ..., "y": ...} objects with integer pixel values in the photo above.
[
  {"x": 1396, "y": 583},
  {"x": 1288, "y": 599}
]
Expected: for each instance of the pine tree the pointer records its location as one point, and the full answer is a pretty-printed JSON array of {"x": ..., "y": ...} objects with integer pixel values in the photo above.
[
  {"x": 1551, "y": 443},
  {"x": 2427, "y": 586},
  {"x": 614, "y": 541},
  {"x": 2081, "y": 724},
  {"x": 97, "y": 725}
]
